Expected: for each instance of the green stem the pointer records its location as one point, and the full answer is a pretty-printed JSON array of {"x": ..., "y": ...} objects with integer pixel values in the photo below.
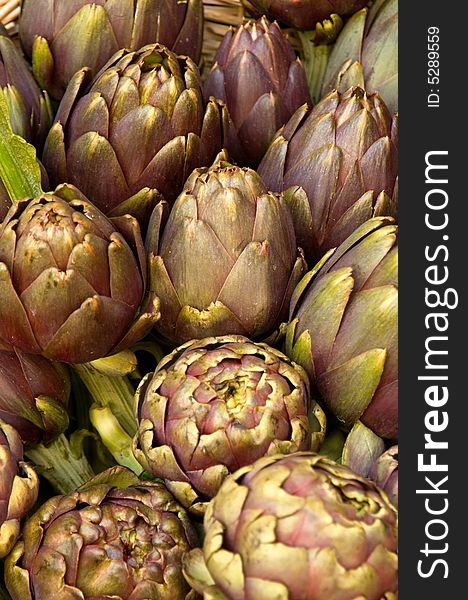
[
  {"x": 19, "y": 169},
  {"x": 114, "y": 437},
  {"x": 315, "y": 59},
  {"x": 63, "y": 467},
  {"x": 115, "y": 392}
]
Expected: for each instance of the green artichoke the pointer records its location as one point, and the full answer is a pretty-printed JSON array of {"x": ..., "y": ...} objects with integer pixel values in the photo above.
[
  {"x": 63, "y": 37},
  {"x": 302, "y": 14},
  {"x": 227, "y": 261},
  {"x": 217, "y": 404},
  {"x": 115, "y": 537},
  {"x": 343, "y": 329},
  {"x": 340, "y": 163},
  {"x": 366, "y": 54},
  {"x": 141, "y": 126},
  {"x": 261, "y": 80},
  {"x": 71, "y": 287},
  {"x": 34, "y": 395},
  {"x": 30, "y": 109},
  {"x": 19, "y": 487},
  {"x": 299, "y": 527}
]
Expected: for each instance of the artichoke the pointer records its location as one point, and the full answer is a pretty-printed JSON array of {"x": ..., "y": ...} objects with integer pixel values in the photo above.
[
  {"x": 257, "y": 74},
  {"x": 141, "y": 126},
  {"x": 385, "y": 473},
  {"x": 343, "y": 329},
  {"x": 30, "y": 109},
  {"x": 71, "y": 287},
  {"x": 19, "y": 487},
  {"x": 366, "y": 53},
  {"x": 227, "y": 261},
  {"x": 34, "y": 395},
  {"x": 115, "y": 537},
  {"x": 339, "y": 165},
  {"x": 63, "y": 37},
  {"x": 217, "y": 404},
  {"x": 302, "y": 14},
  {"x": 5, "y": 202},
  {"x": 297, "y": 527}
]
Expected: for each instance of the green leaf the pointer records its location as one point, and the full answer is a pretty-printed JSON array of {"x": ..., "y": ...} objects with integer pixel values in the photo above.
[{"x": 19, "y": 169}]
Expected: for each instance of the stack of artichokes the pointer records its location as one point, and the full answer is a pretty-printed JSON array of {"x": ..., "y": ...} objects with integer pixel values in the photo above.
[{"x": 198, "y": 302}]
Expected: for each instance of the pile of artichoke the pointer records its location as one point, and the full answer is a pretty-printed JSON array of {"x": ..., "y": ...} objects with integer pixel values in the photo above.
[{"x": 198, "y": 302}]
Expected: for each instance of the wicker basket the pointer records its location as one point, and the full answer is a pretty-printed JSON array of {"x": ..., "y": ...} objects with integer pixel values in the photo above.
[{"x": 219, "y": 16}]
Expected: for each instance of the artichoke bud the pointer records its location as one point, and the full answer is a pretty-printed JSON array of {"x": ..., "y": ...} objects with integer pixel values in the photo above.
[
  {"x": 261, "y": 80},
  {"x": 54, "y": 416},
  {"x": 276, "y": 521},
  {"x": 224, "y": 231},
  {"x": 91, "y": 282},
  {"x": 19, "y": 490},
  {"x": 147, "y": 529},
  {"x": 351, "y": 358},
  {"x": 226, "y": 402}
]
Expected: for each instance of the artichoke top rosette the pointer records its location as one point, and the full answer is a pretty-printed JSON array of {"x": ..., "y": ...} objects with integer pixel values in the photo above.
[
  {"x": 227, "y": 261},
  {"x": 302, "y": 14},
  {"x": 30, "y": 109},
  {"x": 217, "y": 404},
  {"x": 366, "y": 53},
  {"x": 297, "y": 527},
  {"x": 115, "y": 537},
  {"x": 343, "y": 328},
  {"x": 63, "y": 37},
  {"x": 261, "y": 80},
  {"x": 71, "y": 287},
  {"x": 34, "y": 395},
  {"x": 140, "y": 126},
  {"x": 19, "y": 487},
  {"x": 338, "y": 163}
]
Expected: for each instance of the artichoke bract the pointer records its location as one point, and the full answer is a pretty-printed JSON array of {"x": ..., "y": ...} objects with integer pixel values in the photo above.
[
  {"x": 116, "y": 537},
  {"x": 19, "y": 487},
  {"x": 385, "y": 473},
  {"x": 339, "y": 165},
  {"x": 30, "y": 109},
  {"x": 141, "y": 126},
  {"x": 343, "y": 329},
  {"x": 261, "y": 80},
  {"x": 63, "y": 37},
  {"x": 302, "y": 14},
  {"x": 71, "y": 287},
  {"x": 298, "y": 527},
  {"x": 227, "y": 261},
  {"x": 34, "y": 395},
  {"x": 217, "y": 404},
  {"x": 366, "y": 53}
]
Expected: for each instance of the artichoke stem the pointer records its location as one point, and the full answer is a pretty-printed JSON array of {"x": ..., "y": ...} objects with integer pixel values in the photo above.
[
  {"x": 315, "y": 59},
  {"x": 115, "y": 392},
  {"x": 114, "y": 437},
  {"x": 63, "y": 467}
]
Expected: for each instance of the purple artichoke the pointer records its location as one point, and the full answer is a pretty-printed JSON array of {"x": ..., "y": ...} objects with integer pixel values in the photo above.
[
  {"x": 116, "y": 537},
  {"x": 30, "y": 109},
  {"x": 33, "y": 395},
  {"x": 342, "y": 158},
  {"x": 385, "y": 473},
  {"x": 302, "y": 14},
  {"x": 217, "y": 404},
  {"x": 343, "y": 329},
  {"x": 63, "y": 37},
  {"x": 261, "y": 80},
  {"x": 227, "y": 261},
  {"x": 71, "y": 287},
  {"x": 141, "y": 126},
  {"x": 19, "y": 487}
]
